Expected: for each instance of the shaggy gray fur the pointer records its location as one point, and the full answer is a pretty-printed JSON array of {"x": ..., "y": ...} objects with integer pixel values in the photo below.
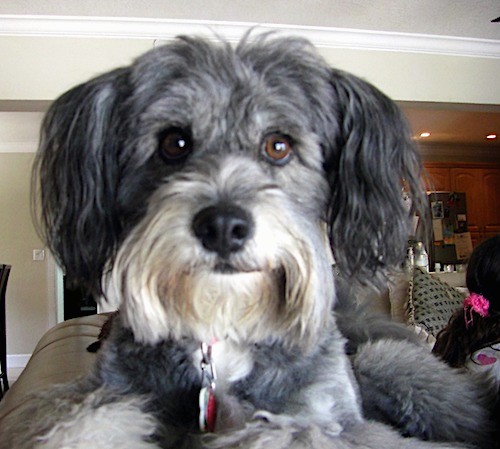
[
  {"x": 194, "y": 188},
  {"x": 406, "y": 386}
]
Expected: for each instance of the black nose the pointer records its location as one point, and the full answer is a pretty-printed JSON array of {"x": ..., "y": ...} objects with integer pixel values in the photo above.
[{"x": 223, "y": 229}]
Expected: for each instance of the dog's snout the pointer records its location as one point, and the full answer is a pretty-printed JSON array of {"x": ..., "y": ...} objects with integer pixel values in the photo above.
[{"x": 223, "y": 229}]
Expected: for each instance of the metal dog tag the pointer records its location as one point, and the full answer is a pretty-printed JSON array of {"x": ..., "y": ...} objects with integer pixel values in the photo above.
[
  {"x": 207, "y": 402},
  {"x": 208, "y": 409}
]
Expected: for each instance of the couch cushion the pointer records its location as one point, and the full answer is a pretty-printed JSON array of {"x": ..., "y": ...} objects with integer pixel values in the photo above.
[
  {"x": 398, "y": 296},
  {"x": 60, "y": 356}
]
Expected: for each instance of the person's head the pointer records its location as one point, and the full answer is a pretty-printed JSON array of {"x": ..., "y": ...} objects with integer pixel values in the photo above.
[
  {"x": 483, "y": 272},
  {"x": 473, "y": 327}
]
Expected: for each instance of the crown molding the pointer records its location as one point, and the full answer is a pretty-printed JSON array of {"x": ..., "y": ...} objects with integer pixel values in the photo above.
[{"x": 165, "y": 29}]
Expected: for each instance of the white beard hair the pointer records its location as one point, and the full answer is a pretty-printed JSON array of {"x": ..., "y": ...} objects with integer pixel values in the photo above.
[{"x": 169, "y": 289}]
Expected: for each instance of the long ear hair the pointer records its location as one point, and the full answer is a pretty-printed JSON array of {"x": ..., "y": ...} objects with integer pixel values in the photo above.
[
  {"x": 77, "y": 214},
  {"x": 372, "y": 163}
]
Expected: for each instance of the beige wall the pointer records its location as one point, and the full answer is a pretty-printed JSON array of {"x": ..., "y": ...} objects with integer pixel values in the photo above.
[
  {"x": 43, "y": 68},
  {"x": 29, "y": 312},
  {"x": 56, "y": 64},
  {"x": 423, "y": 77}
]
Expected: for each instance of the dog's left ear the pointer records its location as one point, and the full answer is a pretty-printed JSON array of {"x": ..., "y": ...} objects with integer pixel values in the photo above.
[{"x": 370, "y": 163}]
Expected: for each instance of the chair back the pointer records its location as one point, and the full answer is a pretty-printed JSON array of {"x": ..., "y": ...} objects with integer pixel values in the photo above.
[{"x": 4, "y": 277}]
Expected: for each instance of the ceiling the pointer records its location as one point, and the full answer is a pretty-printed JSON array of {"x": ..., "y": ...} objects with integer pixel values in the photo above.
[
  {"x": 454, "y": 124},
  {"x": 461, "y": 18},
  {"x": 449, "y": 124}
]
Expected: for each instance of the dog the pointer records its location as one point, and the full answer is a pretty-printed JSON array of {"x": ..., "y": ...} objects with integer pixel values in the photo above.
[{"x": 206, "y": 190}]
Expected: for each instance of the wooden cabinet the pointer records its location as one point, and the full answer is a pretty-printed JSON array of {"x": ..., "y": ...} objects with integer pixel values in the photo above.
[
  {"x": 468, "y": 180},
  {"x": 491, "y": 212},
  {"x": 438, "y": 179},
  {"x": 481, "y": 184}
]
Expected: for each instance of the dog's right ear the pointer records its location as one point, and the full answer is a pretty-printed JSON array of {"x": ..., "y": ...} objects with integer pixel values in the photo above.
[{"x": 75, "y": 177}]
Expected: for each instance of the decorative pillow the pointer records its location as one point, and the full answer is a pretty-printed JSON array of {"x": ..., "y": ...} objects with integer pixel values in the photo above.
[
  {"x": 431, "y": 302},
  {"x": 425, "y": 337}
]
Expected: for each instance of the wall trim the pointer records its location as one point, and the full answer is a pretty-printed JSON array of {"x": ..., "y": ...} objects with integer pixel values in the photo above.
[
  {"x": 167, "y": 29},
  {"x": 18, "y": 147}
]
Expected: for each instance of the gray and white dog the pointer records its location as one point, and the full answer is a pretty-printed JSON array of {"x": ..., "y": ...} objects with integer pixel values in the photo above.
[{"x": 205, "y": 189}]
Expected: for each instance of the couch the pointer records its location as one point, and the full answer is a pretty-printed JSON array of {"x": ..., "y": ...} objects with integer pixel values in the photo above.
[
  {"x": 60, "y": 356},
  {"x": 420, "y": 300}
]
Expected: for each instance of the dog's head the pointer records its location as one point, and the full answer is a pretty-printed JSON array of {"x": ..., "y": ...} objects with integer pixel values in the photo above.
[{"x": 205, "y": 178}]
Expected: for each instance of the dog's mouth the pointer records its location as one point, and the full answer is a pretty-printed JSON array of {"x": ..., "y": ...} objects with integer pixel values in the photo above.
[{"x": 225, "y": 267}]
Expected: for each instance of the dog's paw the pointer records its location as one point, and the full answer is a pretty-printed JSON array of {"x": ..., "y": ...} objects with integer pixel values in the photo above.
[
  {"x": 268, "y": 430},
  {"x": 406, "y": 386},
  {"x": 285, "y": 432},
  {"x": 272, "y": 420},
  {"x": 281, "y": 421}
]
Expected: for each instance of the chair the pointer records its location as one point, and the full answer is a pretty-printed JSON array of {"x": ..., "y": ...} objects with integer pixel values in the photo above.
[{"x": 4, "y": 277}]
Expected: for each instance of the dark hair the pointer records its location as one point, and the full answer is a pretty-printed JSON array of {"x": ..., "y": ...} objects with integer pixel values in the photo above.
[
  {"x": 483, "y": 271},
  {"x": 458, "y": 340}
]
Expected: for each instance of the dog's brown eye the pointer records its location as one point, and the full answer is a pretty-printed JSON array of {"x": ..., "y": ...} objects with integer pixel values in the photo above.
[
  {"x": 278, "y": 148},
  {"x": 175, "y": 144}
]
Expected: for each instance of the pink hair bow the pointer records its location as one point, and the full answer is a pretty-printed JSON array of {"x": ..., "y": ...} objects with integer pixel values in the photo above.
[{"x": 477, "y": 303}]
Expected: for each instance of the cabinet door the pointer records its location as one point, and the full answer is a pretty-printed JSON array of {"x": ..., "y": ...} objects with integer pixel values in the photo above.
[
  {"x": 437, "y": 179},
  {"x": 469, "y": 180},
  {"x": 491, "y": 200}
]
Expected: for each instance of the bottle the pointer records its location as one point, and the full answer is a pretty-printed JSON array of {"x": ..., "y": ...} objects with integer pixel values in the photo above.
[
  {"x": 410, "y": 258},
  {"x": 421, "y": 257}
]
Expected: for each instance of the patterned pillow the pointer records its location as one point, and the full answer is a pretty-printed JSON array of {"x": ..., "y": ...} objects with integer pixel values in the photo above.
[{"x": 431, "y": 302}]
